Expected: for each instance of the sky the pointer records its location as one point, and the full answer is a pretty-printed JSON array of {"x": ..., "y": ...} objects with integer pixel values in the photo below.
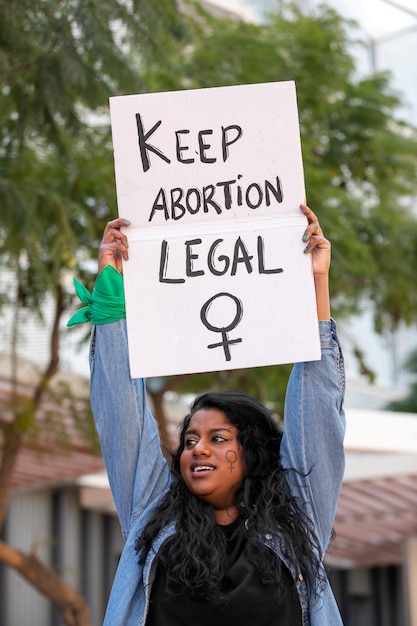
[
  {"x": 392, "y": 34},
  {"x": 389, "y": 27},
  {"x": 380, "y": 18}
]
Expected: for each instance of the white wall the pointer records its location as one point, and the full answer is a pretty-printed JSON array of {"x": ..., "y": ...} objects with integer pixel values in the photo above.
[{"x": 28, "y": 527}]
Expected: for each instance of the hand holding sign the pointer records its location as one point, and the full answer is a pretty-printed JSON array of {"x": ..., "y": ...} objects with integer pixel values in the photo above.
[{"x": 113, "y": 246}]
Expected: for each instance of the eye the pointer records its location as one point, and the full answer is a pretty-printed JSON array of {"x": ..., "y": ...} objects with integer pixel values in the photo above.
[
  {"x": 219, "y": 438},
  {"x": 190, "y": 441}
]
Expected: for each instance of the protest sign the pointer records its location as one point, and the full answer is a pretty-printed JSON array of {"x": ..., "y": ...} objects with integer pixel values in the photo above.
[{"x": 212, "y": 180}]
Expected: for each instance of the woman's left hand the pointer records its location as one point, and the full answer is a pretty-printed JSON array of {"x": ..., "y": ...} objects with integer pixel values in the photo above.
[
  {"x": 316, "y": 244},
  {"x": 319, "y": 248}
]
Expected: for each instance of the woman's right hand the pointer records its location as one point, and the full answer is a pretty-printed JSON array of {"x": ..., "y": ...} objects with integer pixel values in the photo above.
[{"x": 114, "y": 246}]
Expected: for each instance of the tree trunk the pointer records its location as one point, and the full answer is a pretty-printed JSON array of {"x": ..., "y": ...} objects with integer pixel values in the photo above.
[
  {"x": 68, "y": 601},
  {"x": 10, "y": 450},
  {"x": 158, "y": 406},
  {"x": 72, "y": 605}
]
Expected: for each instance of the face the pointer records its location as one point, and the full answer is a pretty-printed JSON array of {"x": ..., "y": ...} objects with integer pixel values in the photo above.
[{"x": 212, "y": 462}]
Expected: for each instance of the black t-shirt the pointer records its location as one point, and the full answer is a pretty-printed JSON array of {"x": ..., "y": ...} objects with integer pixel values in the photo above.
[{"x": 247, "y": 601}]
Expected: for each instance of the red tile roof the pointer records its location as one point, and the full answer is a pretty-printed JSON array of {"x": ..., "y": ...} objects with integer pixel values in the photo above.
[
  {"x": 374, "y": 518},
  {"x": 44, "y": 462}
]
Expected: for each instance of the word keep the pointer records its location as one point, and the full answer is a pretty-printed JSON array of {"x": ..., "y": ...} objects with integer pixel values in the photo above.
[{"x": 202, "y": 145}]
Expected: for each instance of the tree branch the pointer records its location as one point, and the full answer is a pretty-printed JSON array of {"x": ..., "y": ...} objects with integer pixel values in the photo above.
[
  {"x": 25, "y": 65},
  {"x": 71, "y": 604},
  {"x": 10, "y": 450},
  {"x": 54, "y": 350}
]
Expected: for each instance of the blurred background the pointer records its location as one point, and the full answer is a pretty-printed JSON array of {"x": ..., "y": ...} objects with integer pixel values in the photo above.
[{"x": 355, "y": 67}]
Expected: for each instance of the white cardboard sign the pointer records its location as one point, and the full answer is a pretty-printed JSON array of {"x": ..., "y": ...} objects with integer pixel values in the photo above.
[{"x": 212, "y": 180}]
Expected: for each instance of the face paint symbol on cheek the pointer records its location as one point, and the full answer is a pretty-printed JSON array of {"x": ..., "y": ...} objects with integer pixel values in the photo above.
[{"x": 231, "y": 457}]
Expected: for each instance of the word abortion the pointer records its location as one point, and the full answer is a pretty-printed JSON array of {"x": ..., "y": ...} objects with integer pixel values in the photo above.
[{"x": 224, "y": 195}]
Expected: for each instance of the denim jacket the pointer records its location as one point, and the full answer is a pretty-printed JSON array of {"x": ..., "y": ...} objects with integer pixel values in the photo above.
[{"x": 139, "y": 475}]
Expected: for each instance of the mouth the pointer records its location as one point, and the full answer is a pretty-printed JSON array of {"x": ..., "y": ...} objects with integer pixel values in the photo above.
[{"x": 201, "y": 469}]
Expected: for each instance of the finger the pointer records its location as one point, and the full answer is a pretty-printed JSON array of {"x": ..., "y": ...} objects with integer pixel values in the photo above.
[
  {"x": 115, "y": 225},
  {"x": 317, "y": 242},
  {"x": 309, "y": 213},
  {"x": 117, "y": 246},
  {"x": 313, "y": 227},
  {"x": 112, "y": 254},
  {"x": 114, "y": 235}
]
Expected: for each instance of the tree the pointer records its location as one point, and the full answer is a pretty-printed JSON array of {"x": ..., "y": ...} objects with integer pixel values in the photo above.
[
  {"x": 360, "y": 160},
  {"x": 60, "y": 60},
  {"x": 409, "y": 403}
]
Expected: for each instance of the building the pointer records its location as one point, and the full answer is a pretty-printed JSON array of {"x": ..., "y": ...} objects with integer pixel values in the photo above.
[{"x": 62, "y": 507}]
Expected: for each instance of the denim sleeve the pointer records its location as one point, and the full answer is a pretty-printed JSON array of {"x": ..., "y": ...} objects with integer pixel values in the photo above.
[
  {"x": 314, "y": 432},
  {"x": 129, "y": 438}
]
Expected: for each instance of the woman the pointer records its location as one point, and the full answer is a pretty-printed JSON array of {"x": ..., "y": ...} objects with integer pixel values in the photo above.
[{"x": 235, "y": 532}]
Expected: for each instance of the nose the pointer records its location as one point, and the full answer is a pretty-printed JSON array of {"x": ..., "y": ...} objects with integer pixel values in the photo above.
[{"x": 201, "y": 448}]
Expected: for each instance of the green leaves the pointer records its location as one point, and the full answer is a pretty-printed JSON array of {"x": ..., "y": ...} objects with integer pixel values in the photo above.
[
  {"x": 59, "y": 63},
  {"x": 359, "y": 158}
]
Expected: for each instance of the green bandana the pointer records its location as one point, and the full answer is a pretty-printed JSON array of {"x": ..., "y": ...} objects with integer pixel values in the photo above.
[{"x": 106, "y": 303}]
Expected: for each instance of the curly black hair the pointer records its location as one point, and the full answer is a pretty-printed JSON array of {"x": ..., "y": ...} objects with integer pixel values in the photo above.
[{"x": 195, "y": 557}]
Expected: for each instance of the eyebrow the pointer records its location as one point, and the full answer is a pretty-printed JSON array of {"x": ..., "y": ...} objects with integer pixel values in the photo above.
[{"x": 192, "y": 431}]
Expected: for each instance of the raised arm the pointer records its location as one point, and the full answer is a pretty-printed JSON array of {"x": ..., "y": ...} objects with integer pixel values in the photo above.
[
  {"x": 129, "y": 438},
  {"x": 314, "y": 417}
]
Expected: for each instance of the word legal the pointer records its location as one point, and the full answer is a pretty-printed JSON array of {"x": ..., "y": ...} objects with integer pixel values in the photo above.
[{"x": 216, "y": 264}]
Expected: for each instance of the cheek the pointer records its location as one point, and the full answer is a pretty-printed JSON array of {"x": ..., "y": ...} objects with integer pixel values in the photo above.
[
  {"x": 236, "y": 461},
  {"x": 242, "y": 462},
  {"x": 182, "y": 463},
  {"x": 231, "y": 458}
]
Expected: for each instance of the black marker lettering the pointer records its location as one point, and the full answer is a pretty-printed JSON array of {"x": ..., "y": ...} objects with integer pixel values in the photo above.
[
  {"x": 208, "y": 193},
  {"x": 180, "y": 148},
  {"x": 163, "y": 266},
  {"x": 258, "y": 202},
  {"x": 276, "y": 192},
  {"x": 239, "y": 193},
  {"x": 189, "y": 257},
  {"x": 221, "y": 196},
  {"x": 160, "y": 204},
  {"x": 176, "y": 196},
  {"x": 222, "y": 258},
  {"x": 203, "y": 147},
  {"x": 244, "y": 258},
  {"x": 227, "y": 192},
  {"x": 193, "y": 192},
  {"x": 145, "y": 147},
  {"x": 261, "y": 263},
  {"x": 224, "y": 330},
  {"x": 226, "y": 142}
]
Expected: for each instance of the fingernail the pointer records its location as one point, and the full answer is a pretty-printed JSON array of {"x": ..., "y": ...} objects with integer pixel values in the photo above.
[
  {"x": 127, "y": 243},
  {"x": 127, "y": 221},
  {"x": 305, "y": 249},
  {"x": 304, "y": 237}
]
